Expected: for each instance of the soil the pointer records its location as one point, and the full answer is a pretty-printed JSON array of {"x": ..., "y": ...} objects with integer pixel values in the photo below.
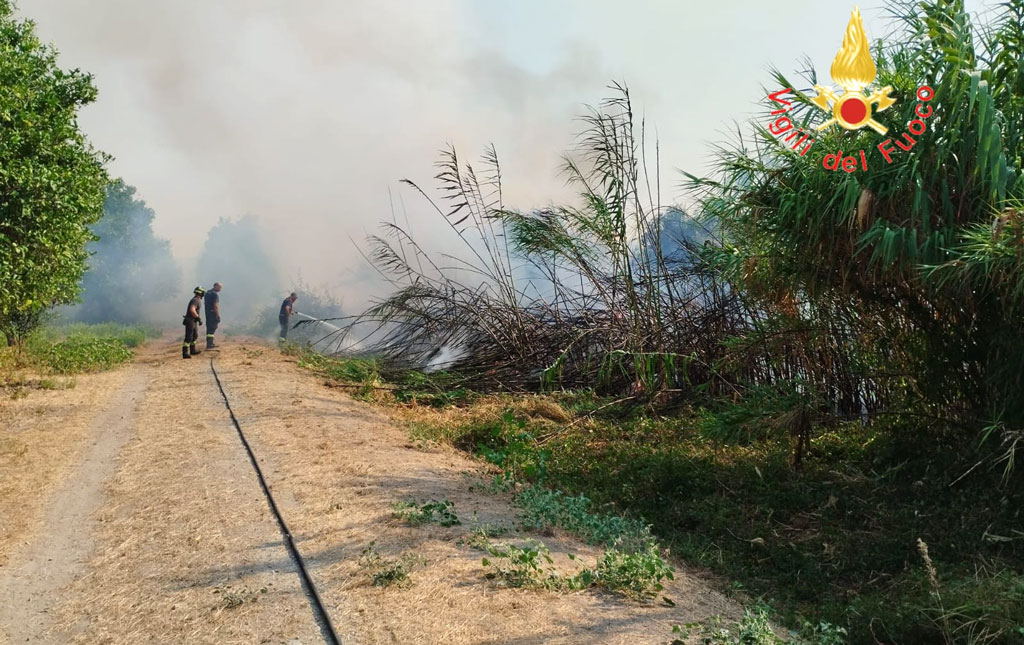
[{"x": 140, "y": 519}]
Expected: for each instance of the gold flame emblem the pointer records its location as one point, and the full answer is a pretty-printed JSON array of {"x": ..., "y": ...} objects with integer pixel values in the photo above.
[{"x": 853, "y": 69}]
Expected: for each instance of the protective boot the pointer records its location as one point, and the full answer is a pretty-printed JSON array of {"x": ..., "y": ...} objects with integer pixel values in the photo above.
[
  {"x": 209, "y": 343},
  {"x": 192, "y": 350},
  {"x": 184, "y": 352}
]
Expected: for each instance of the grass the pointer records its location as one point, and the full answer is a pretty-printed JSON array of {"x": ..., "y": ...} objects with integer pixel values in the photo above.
[
  {"x": 755, "y": 628},
  {"x": 637, "y": 575},
  {"x": 388, "y": 572},
  {"x": 544, "y": 508},
  {"x": 80, "y": 354},
  {"x": 833, "y": 545},
  {"x": 68, "y": 350},
  {"x": 407, "y": 387}
]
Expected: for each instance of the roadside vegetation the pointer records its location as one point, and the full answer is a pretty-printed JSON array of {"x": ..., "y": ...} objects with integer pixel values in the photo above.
[
  {"x": 833, "y": 547},
  {"x": 810, "y": 386},
  {"x": 53, "y": 180},
  {"x": 50, "y": 352}
]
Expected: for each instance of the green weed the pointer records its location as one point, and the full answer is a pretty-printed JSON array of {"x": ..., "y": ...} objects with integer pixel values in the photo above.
[
  {"x": 129, "y": 336},
  {"x": 388, "y": 572},
  {"x": 755, "y": 628},
  {"x": 544, "y": 508},
  {"x": 431, "y": 512},
  {"x": 289, "y": 348},
  {"x": 80, "y": 354},
  {"x": 638, "y": 574},
  {"x": 530, "y": 564},
  {"x": 520, "y": 566},
  {"x": 506, "y": 443},
  {"x": 74, "y": 349}
]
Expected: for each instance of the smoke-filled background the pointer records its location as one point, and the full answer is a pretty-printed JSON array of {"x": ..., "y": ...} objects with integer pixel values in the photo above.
[{"x": 266, "y": 135}]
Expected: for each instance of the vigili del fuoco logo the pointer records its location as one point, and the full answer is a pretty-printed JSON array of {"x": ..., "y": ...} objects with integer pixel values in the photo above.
[{"x": 853, "y": 108}]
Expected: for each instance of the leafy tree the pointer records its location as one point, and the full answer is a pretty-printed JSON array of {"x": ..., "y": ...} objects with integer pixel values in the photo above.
[
  {"x": 130, "y": 268},
  {"x": 51, "y": 178},
  {"x": 236, "y": 256}
]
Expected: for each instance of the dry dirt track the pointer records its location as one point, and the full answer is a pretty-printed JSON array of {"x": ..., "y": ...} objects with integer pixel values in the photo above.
[{"x": 149, "y": 525}]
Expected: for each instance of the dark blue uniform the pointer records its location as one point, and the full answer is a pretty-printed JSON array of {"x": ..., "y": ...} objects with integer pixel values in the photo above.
[
  {"x": 282, "y": 316},
  {"x": 212, "y": 319}
]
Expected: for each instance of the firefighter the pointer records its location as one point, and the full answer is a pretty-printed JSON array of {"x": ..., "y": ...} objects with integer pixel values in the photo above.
[
  {"x": 212, "y": 303},
  {"x": 285, "y": 314},
  {"x": 192, "y": 321}
]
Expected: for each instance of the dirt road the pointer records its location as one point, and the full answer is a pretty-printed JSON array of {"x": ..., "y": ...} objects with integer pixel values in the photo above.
[{"x": 130, "y": 513}]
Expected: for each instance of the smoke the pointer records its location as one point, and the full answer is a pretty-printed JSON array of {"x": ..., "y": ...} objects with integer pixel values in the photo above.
[
  {"x": 132, "y": 274},
  {"x": 304, "y": 113},
  {"x": 237, "y": 255}
]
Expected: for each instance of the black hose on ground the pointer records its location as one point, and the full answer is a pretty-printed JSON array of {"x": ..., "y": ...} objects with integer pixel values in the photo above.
[{"x": 319, "y": 611}]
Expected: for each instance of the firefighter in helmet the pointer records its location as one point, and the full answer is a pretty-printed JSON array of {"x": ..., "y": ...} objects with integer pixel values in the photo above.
[{"x": 192, "y": 321}]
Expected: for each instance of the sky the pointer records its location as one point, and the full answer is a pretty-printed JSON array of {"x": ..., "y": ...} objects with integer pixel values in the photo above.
[{"x": 307, "y": 113}]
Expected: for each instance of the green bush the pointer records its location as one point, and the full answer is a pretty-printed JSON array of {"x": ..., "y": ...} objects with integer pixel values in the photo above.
[
  {"x": 637, "y": 574},
  {"x": 71, "y": 349},
  {"x": 82, "y": 354},
  {"x": 129, "y": 336}
]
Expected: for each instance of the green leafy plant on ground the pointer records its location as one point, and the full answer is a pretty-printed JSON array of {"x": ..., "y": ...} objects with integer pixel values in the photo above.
[
  {"x": 437, "y": 389},
  {"x": 755, "y": 628},
  {"x": 431, "y": 512},
  {"x": 72, "y": 349},
  {"x": 529, "y": 564},
  {"x": 544, "y": 508},
  {"x": 639, "y": 574},
  {"x": 356, "y": 371},
  {"x": 80, "y": 354},
  {"x": 128, "y": 335},
  {"x": 831, "y": 545},
  {"x": 388, "y": 572}
]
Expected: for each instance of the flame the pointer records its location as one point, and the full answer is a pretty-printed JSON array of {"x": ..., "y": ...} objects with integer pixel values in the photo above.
[{"x": 853, "y": 67}]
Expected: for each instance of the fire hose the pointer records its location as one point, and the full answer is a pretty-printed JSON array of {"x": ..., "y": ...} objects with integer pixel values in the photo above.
[{"x": 316, "y": 603}]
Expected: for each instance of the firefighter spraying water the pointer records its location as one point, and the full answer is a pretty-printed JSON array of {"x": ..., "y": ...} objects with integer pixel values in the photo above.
[{"x": 285, "y": 314}]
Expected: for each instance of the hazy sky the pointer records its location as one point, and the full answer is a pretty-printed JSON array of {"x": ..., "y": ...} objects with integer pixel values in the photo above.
[{"x": 305, "y": 112}]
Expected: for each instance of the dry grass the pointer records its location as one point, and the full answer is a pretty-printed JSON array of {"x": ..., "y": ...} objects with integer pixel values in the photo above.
[
  {"x": 187, "y": 551},
  {"x": 339, "y": 468},
  {"x": 41, "y": 437}
]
